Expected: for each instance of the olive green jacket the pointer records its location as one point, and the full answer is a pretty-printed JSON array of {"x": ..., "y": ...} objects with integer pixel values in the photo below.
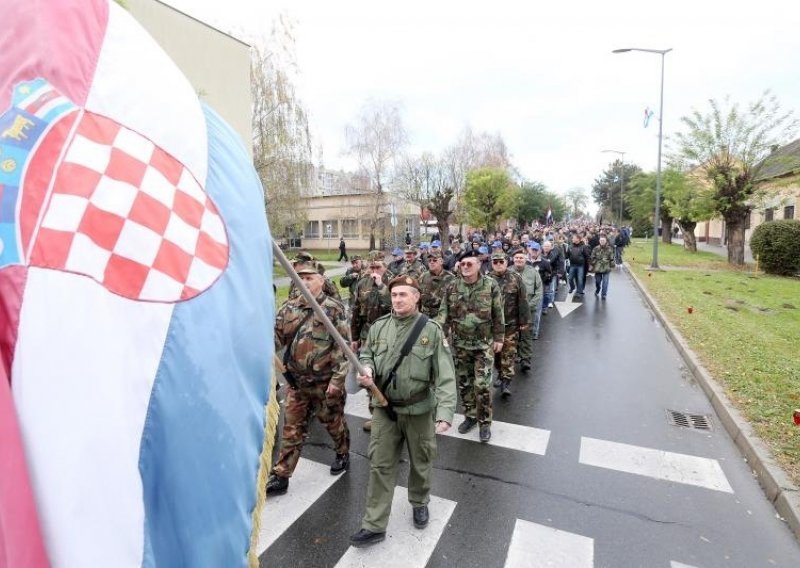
[{"x": 428, "y": 367}]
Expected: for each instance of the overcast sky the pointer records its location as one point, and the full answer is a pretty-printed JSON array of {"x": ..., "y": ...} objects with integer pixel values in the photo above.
[{"x": 541, "y": 74}]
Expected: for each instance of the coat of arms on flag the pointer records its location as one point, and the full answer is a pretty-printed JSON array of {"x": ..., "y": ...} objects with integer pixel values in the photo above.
[{"x": 136, "y": 302}]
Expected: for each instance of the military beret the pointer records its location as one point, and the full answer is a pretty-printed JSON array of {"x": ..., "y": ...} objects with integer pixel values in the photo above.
[
  {"x": 307, "y": 268},
  {"x": 403, "y": 280},
  {"x": 469, "y": 254},
  {"x": 499, "y": 256}
]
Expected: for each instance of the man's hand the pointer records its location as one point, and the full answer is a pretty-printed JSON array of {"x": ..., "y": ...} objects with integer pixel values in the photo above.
[
  {"x": 442, "y": 426},
  {"x": 524, "y": 328},
  {"x": 332, "y": 390},
  {"x": 497, "y": 346},
  {"x": 366, "y": 380},
  {"x": 354, "y": 345},
  {"x": 377, "y": 279}
]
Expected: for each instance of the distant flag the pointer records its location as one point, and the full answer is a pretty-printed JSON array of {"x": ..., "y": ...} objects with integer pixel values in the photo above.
[
  {"x": 136, "y": 306},
  {"x": 549, "y": 219},
  {"x": 648, "y": 114}
]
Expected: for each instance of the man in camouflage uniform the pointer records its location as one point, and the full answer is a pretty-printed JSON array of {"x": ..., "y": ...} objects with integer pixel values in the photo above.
[
  {"x": 371, "y": 299},
  {"x": 534, "y": 288},
  {"x": 423, "y": 398},
  {"x": 432, "y": 284},
  {"x": 328, "y": 287},
  {"x": 352, "y": 276},
  {"x": 517, "y": 316},
  {"x": 396, "y": 265},
  {"x": 472, "y": 313},
  {"x": 602, "y": 261},
  {"x": 413, "y": 266},
  {"x": 315, "y": 369}
]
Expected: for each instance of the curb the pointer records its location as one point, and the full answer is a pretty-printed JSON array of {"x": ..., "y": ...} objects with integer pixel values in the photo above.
[{"x": 778, "y": 489}]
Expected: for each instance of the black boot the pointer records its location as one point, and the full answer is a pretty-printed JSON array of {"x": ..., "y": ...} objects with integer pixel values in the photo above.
[
  {"x": 505, "y": 390},
  {"x": 486, "y": 432},
  {"x": 277, "y": 485},
  {"x": 467, "y": 425},
  {"x": 340, "y": 464},
  {"x": 365, "y": 537},
  {"x": 421, "y": 517}
]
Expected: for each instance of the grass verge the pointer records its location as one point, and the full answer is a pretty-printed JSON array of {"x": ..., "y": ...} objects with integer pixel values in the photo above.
[{"x": 744, "y": 327}]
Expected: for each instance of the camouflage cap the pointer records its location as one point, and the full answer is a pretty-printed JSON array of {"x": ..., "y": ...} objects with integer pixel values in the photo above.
[
  {"x": 355, "y": 257},
  {"x": 435, "y": 254},
  {"x": 307, "y": 268},
  {"x": 500, "y": 255},
  {"x": 411, "y": 248},
  {"x": 376, "y": 256},
  {"x": 303, "y": 256},
  {"x": 404, "y": 280}
]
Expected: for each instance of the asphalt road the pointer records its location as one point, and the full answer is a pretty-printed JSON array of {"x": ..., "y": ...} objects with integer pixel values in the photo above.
[{"x": 593, "y": 474}]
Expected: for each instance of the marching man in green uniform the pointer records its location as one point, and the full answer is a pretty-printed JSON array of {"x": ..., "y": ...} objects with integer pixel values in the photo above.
[
  {"x": 421, "y": 391},
  {"x": 472, "y": 312}
]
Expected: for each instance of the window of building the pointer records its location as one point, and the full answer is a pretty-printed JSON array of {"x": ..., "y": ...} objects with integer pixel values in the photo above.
[
  {"x": 768, "y": 214},
  {"x": 330, "y": 228},
  {"x": 349, "y": 228},
  {"x": 788, "y": 212},
  {"x": 365, "y": 228},
  {"x": 312, "y": 230}
]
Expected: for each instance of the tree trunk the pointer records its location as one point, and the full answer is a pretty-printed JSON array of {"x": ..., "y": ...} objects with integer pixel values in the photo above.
[
  {"x": 689, "y": 240},
  {"x": 371, "y": 240},
  {"x": 735, "y": 228},
  {"x": 666, "y": 230}
]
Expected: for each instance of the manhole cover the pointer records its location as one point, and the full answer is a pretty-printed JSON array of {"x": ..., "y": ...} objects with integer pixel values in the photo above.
[{"x": 686, "y": 420}]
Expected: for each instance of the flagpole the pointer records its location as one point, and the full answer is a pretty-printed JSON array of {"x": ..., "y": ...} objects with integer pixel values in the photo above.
[{"x": 323, "y": 317}]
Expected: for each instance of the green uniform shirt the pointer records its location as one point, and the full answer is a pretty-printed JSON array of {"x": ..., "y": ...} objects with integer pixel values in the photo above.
[
  {"x": 427, "y": 368},
  {"x": 473, "y": 313},
  {"x": 515, "y": 298}
]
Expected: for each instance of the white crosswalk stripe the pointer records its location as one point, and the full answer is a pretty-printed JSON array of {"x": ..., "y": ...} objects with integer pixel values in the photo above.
[
  {"x": 308, "y": 483},
  {"x": 504, "y": 434},
  {"x": 658, "y": 464},
  {"x": 674, "y": 564},
  {"x": 540, "y": 546},
  {"x": 405, "y": 546}
]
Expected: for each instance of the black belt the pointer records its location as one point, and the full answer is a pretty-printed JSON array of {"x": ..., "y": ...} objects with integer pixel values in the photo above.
[{"x": 419, "y": 397}]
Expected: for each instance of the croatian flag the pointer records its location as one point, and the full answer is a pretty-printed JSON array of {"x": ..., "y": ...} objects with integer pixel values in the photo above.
[
  {"x": 136, "y": 305},
  {"x": 549, "y": 219}
]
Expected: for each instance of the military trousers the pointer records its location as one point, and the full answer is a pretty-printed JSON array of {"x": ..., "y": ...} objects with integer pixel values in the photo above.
[
  {"x": 387, "y": 438},
  {"x": 526, "y": 337},
  {"x": 505, "y": 359},
  {"x": 301, "y": 404},
  {"x": 474, "y": 377}
]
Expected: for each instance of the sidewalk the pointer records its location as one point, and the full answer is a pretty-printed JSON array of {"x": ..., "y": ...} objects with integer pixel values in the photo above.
[{"x": 721, "y": 250}]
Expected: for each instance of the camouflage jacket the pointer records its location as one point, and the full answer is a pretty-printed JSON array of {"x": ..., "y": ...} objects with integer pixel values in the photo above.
[
  {"x": 329, "y": 288},
  {"x": 415, "y": 269},
  {"x": 427, "y": 368},
  {"x": 602, "y": 259},
  {"x": 314, "y": 356},
  {"x": 517, "y": 312},
  {"x": 431, "y": 289},
  {"x": 350, "y": 281},
  {"x": 369, "y": 303},
  {"x": 473, "y": 313}
]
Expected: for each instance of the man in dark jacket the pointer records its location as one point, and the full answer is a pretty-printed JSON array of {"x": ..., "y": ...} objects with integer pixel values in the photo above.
[
  {"x": 578, "y": 255},
  {"x": 556, "y": 258}
]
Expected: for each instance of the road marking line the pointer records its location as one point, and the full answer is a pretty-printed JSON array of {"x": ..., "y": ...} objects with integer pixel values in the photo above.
[
  {"x": 308, "y": 483},
  {"x": 674, "y": 564},
  {"x": 667, "y": 466},
  {"x": 504, "y": 434},
  {"x": 540, "y": 546},
  {"x": 405, "y": 546}
]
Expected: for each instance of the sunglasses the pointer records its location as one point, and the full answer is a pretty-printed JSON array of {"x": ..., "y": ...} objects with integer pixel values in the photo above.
[
  {"x": 498, "y": 261},
  {"x": 468, "y": 264}
]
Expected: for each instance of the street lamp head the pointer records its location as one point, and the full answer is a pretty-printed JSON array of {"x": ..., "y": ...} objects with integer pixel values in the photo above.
[
  {"x": 621, "y": 50},
  {"x": 627, "y": 49}
]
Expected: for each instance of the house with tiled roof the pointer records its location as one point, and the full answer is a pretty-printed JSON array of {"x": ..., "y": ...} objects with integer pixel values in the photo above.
[{"x": 778, "y": 195}]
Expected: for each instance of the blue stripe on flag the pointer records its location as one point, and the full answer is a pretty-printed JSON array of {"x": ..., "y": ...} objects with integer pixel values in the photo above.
[{"x": 205, "y": 422}]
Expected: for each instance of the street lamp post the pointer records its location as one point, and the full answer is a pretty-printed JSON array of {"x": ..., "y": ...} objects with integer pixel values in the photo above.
[
  {"x": 662, "y": 53},
  {"x": 621, "y": 183}
]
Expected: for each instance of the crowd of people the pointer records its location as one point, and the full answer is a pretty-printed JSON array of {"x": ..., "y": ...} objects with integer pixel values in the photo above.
[{"x": 433, "y": 322}]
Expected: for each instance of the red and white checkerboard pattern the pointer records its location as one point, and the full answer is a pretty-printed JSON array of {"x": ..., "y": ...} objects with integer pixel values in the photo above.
[{"x": 129, "y": 215}]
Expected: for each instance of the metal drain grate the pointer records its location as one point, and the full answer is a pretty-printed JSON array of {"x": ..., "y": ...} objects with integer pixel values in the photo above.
[{"x": 693, "y": 421}]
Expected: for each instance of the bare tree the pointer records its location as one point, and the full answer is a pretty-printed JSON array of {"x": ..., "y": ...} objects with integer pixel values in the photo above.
[
  {"x": 576, "y": 200},
  {"x": 375, "y": 139},
  {"x": 281, "y": 140},
  {"x": 425, "y": 180}
]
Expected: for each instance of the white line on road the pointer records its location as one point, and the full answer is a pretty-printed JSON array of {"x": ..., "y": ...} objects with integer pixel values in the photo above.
[
  {"x": 405, "y": 546},
  {"x": 539, "y": 546},
  {"x": 504, "y": 434},
  {"x": 674, "y": 564},
  {"x": 308, "y": 483},
  {"x": 668, "y": 466}
]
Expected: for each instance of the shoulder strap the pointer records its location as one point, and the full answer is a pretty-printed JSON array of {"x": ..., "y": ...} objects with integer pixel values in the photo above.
[{"x": 422, "y": 319}]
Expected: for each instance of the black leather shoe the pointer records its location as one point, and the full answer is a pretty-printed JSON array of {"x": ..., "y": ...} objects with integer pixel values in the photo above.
[
  {"x": 486, "y": 433},
  {"x": 277, "y": 485},
  {"x": 498, "y": 382},
  {"x": 340, "y": 464},
  {"x": 525, "y": 367},
  {"x": 365, "y": 537},
  {"x": 505, "y": 390},
  {"x": 467, "y": 425},
  {"x": 421, "y": 517}
]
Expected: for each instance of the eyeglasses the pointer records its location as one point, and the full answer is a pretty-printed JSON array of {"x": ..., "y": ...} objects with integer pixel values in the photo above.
[
  {"x": 498, "y": 261},
  {"x": 468, "y": 264}
]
